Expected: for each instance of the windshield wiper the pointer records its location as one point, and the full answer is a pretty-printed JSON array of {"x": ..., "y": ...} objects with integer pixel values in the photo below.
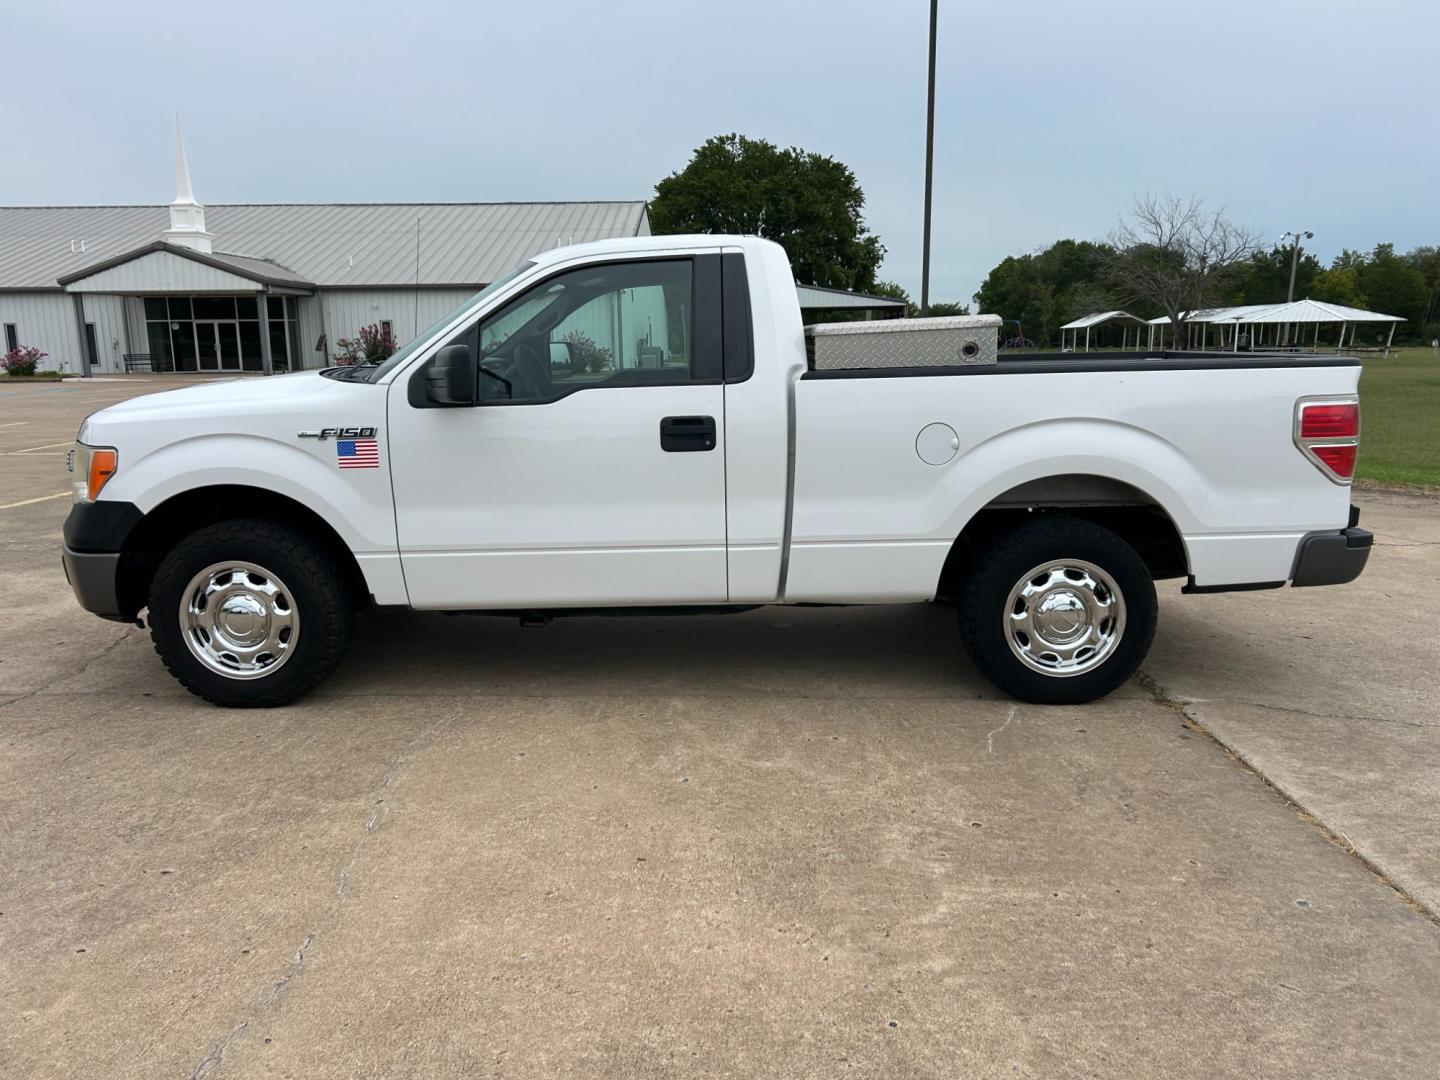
[{"x": 350, "y": 372}]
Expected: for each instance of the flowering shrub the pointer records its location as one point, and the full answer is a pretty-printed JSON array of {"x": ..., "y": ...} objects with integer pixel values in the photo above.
[
  {"x": 22, "y": 360},
  {"x": 372, "y": 345},
  {"x": 585, "y": 354}
]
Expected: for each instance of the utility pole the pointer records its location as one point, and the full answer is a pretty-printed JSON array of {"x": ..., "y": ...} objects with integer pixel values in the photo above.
[
  {"x": 1295, "y": 258},
  {"x": 929, "y": 165}
]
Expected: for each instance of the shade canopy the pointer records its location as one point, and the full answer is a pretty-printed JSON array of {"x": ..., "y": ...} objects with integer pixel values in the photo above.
[
  {"x": 1313, "y": 311},
  {"x": 1297, "y": 311},
  {"x": 1099, "y": 317}
]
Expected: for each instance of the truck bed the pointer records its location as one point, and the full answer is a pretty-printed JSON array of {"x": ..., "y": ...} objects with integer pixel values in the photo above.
[
  {"x": 890, "y": 463},
  {"x": 1052, "y": 363}
]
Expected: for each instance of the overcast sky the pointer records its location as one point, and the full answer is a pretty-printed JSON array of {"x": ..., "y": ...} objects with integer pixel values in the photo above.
[{"x": 1050, "y": 116}]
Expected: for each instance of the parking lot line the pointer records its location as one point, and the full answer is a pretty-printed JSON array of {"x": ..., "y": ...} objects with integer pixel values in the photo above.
[
  {"x": 27, "y": 502},
  {"x": 32, "y": 449}
]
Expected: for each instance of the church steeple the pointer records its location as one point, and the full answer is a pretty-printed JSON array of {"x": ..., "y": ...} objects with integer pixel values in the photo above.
[{"x": 187, "y": 215}]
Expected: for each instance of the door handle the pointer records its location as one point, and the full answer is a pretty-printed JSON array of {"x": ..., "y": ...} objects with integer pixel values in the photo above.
[{"x": 687, "y": 434}]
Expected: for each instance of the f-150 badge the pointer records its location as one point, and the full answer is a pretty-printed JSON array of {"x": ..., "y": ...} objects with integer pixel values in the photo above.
[{"x": 339, "y": 433}]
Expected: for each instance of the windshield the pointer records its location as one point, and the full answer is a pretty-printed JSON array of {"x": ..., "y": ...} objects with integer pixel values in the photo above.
[{"x": 376, "y": 373}]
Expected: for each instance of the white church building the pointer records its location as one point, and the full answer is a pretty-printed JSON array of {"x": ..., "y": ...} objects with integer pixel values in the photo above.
[{"x": 259, "y": 287}]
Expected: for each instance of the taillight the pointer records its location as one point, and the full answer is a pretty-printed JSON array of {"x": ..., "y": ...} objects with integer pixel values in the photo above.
[
  {"x": 1330, "y": 421},
  {"x": 1327, "y": 431},
  {"x": 1338, "y": 459}
]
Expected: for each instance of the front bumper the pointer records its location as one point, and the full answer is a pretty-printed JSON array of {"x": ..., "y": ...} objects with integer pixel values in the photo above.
[
  {"x": 94, "y": 576},
  {"x": 1331, "y": 558},
  {"x": 95, "y": 537}
]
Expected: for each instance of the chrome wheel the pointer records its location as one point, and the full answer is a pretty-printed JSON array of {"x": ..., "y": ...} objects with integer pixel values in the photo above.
[
  {"x": 1064, "y": 617},
  {"x": 239, "y": 620}
]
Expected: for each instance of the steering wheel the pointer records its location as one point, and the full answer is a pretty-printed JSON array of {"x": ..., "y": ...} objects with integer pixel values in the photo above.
[{"x": 525, "y": 373}]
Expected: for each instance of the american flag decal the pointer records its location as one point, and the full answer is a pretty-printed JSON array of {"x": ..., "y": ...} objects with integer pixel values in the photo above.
[{"x": 357, "y": 454}]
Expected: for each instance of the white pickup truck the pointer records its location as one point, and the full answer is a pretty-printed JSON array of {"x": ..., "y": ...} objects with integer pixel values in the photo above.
[{"x": 636, "y": 424}]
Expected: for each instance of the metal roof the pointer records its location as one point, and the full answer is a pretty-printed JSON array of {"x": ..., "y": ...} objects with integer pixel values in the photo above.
[
  {"x": 1298, "y": 311},
  {"x": 329, "y": 244},
  {"x": 1316, "y": 311},
  {"x": 261, "y": 271},
  {"x": 819, "y": 297},
  {"x": 1098, "y": 318}
]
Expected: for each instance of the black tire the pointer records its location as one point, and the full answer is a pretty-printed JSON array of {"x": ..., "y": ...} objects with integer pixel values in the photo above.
[
  {"x": 1004, "y": 564},
  {"x": 318, "y": 590}
]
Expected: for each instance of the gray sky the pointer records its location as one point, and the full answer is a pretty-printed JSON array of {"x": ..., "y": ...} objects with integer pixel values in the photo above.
[{"x": 1050, "y": 116}]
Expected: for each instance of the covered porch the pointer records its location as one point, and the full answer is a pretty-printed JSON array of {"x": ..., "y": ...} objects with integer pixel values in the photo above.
[{"x": 192, "y": 311}]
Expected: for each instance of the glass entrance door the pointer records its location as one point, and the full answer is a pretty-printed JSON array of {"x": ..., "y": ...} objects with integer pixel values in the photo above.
[{"x": 217, "y": 345}]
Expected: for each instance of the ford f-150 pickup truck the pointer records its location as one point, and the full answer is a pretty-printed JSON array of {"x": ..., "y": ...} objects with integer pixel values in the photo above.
[{"x": 637, "y": 424}]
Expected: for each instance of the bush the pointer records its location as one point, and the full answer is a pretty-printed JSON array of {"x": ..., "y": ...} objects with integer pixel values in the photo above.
[
  {"x": 586, "y": 355},
  {"x": 22, "y": 360},
  {"x": 372, "y": 345}
]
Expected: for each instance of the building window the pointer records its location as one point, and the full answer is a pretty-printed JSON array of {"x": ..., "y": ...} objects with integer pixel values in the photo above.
[
  {"x": 92, "y": 347},
  {"x": 220, "y": 333},
  {"x": 387, "y": 329},
  {"x": 12, "y": 337}
]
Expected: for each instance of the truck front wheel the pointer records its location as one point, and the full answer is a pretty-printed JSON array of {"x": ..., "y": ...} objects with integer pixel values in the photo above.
[
  {"x": 1058, "y": 611},
  {"x": 250, "y": 613}
]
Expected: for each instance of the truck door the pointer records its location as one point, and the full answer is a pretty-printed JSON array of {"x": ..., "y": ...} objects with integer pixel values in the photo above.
[{"x": 591, "y": 471}]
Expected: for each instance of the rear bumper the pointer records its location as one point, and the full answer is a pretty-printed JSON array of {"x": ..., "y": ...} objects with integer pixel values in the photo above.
[
  {"x": 94, "y": 576},
  {"x": 1331, "y": 558},
  {"x": 1324, "y": 558}
]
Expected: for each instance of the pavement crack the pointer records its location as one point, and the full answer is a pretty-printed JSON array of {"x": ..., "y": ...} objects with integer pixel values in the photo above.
[
  {"x": 94, "y": 659},
  {"x": 990, "y": 735},
  {"x": 1179, "y": 705},
  {"x": 1307, "y": 712},
  {"x": 217, "y": 1053},
  {"x": 375, "y": 818}
]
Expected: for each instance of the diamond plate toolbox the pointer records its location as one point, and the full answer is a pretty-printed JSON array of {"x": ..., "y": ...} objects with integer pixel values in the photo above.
[{"x": 902, "y": 343}]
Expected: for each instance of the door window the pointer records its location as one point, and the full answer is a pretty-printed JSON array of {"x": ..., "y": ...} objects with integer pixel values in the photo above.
[{"x": 626, "y": 324}]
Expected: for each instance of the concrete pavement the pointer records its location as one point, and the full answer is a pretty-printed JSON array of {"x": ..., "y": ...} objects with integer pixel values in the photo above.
[
  {"x": 785, "y": 843},
  {"x": 1333, "y": 694}
]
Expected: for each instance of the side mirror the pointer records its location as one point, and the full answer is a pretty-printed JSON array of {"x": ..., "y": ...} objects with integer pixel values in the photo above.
[
  {"x": 451, "y": 378},
  {"x": 560, "y": 358}
]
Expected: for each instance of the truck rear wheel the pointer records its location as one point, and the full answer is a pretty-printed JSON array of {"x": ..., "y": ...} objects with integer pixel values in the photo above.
[
  {"x": 250, "y": 613},
  {"x": 1058, "y": 611}
]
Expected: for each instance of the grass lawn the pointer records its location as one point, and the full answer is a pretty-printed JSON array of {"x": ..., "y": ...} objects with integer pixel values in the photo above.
[{"x": 1400, "y": 414}]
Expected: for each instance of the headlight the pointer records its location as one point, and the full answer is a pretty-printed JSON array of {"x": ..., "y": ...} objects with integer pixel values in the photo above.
[{"x": 92, "y": 467}]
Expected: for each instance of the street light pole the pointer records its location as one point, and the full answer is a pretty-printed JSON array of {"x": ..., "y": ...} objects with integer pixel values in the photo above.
[
  {"x": 929, "y": 165},
  {"x": 1294, "y": 259}
]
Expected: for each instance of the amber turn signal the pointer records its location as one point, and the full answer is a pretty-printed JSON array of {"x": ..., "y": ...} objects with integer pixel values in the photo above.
[{"x": 102, "y": 467}]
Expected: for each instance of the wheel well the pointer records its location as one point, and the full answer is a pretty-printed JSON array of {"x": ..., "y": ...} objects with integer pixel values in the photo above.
[
  {"x": 1122, "y": 508},
  {"x": 182, "y": 514}
]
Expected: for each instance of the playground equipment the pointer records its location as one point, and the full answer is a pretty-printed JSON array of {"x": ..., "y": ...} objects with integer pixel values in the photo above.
[{"x": 1019, "y": 341}]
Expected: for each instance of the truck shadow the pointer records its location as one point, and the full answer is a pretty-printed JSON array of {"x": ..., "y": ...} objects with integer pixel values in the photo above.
[{"x": 904, "y": 651}]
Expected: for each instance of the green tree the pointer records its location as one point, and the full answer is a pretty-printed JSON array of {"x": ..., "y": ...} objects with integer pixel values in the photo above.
[
  {"x": 808, "y": 203},
  {"x": 912, "y": 309},
  {"x": 1348, "y": 260},
  {"x": 1339, "y": 285},
  {"x": 895, "y": 292},
  {"x": 1265, "y": 278},
  {"x": 1427, "y": 261},
  {"x": 1047, "y": 289},
  {"x": 1391, "y": 285}
]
